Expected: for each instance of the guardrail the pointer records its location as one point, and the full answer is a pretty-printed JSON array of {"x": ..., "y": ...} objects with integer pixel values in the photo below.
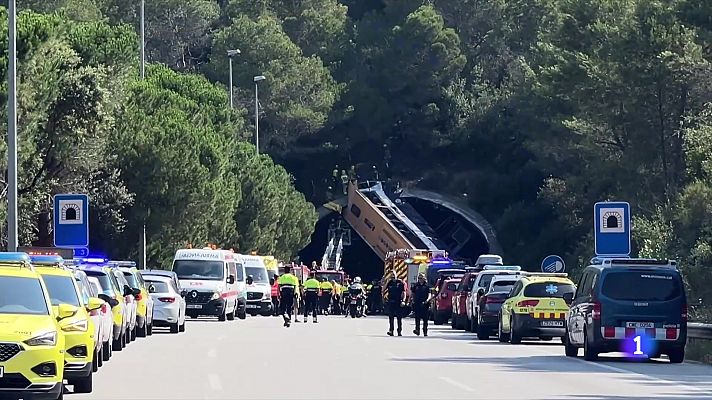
[{"x": 696, "y": 330}]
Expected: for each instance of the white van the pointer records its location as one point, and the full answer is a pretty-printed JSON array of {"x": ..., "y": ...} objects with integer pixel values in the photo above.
[
  {"x": 213, "y": 280},
  {"x": 259, "y": 295}
]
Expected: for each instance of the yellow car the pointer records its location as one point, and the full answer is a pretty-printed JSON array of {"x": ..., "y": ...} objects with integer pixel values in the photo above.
[
  {"x": 31, "y": 340},
  {"x": 114, "y": 294},
  {"x": 78, "y": 329},
  {"x": 536, "y": 308},
  {"x": 144, "y": 301}
]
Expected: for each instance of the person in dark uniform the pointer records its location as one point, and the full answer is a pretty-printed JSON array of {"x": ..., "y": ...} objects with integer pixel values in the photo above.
[
  {"x": 288, "y": 287},
  {"x": 421, "y": 296},
  {"x": 395, "y": 296},
  {"x": 311, "y": 297}
]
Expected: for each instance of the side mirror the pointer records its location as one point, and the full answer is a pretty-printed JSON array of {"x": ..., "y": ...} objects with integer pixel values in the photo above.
[
  {"x": 231, "y": 279},
  {"x": 183, "y": 293},
  {"x": 94, "y": 304},
  {"x": 568, "y": 297},
  {"x": 480, "y": 292},
  {"x": 250, "y": 281},
  {"x": 135, "y": 292},
  {"x": 271, "y": 281},
  {"x": 151, "y": 289},
  {"x": 65, "y": 311},
  {"x": 127, "y": 290}
]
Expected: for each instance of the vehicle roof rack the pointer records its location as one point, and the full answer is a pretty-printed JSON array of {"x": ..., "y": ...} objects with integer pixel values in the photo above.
[
  {"x": 16, "y": 259},
  {"x": 633, "y": 262}
]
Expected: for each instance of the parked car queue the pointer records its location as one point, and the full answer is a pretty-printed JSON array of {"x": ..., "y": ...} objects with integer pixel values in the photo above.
[
  {"x": 633, "y": 306},
  {"x": 60, "y": 320}
]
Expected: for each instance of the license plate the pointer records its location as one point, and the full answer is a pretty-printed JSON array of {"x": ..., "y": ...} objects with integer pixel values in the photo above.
[
  {"x": 2, "y": 371},
  {"x": 193, "y": 306},
  {"x": 353, "y": 301},
  {"x": 552, "y": 323},
  {"x": 252, "y": 306},
  {"x": 640, "y": 324}
]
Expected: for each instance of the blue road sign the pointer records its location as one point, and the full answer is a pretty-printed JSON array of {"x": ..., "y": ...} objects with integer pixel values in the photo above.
[
  {"x": 611, "y": 222},
  {"x": 81, "y": 252},
  {"x": 71, "y": 220},
  {"x": 553, "y": 263}
]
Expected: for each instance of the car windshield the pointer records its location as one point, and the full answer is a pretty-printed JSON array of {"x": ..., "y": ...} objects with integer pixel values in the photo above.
[
  {"x": 106, "y": 286},
  {"x": 258, "y": 274},
  {"x": 502, "y": 286},
  {"x": 61, "y": 290},
  {"x": 548, "y": 289},
  {"x": 641, "y": 285},
  {"x": 158, "y": 286},
  {"x": 22, "y": 296},
  {"x": 199, "y": 269},
  {"x": 131, "y": 279},
  {"x": 97, "y": 286}
]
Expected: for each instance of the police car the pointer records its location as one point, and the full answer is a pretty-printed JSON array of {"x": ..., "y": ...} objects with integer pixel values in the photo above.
[{"x": 634, "y": 306}]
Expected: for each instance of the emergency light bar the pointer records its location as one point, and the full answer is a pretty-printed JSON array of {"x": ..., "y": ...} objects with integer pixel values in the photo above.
[
  {"x": 633, "y": 262},
  {"x": 122, "y": 263},
  {"x": 548, "y": 274},
  {"x": 502, "y": 267},
  {"x": 16, "y": 259},
  {"x": 47, "y": 261},
  {"x": 94, "y": 260}
]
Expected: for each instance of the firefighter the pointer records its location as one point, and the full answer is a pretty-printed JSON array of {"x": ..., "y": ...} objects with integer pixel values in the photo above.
[
  {"x": 420, "y": 300},
  {"x": 311, "y": 297},
  {"x": 327, "y": 290},
  {"x": 288, "y": 287},
  {"x": 395, "y": 295}
]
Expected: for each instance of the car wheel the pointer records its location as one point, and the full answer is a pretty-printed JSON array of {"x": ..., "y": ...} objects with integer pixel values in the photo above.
[
  {"x": 149, "y": 329},
  {"x": 231, "y": 316},
  {"x": 181, "y": 328},
  {"x": 95, "y": 362},
  {"x": 106, "y": 350},
  {"x": 222, "y": 317},
  {"x": 83, "y": 385},
  {"x": 503, "y": 338},
  {"x": 134, "y": 332},
  {"x": 242, "y": 314},
  {"x": 124, "y": 339},
  {"x": 514, "y": 337},
  {"x": 468, "y": 324},
  {"x": 589, "y": 350},
  {"x": 677, "y": 356},
  {"x": 569, "y": 349},
  {"x": 61, "y": 394},
  {"x": 453, "y": 321},
  {"x": 175, "y": 328}
]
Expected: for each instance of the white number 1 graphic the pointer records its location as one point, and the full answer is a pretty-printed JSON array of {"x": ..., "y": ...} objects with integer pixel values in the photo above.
[{"x": 637, "y": 341}]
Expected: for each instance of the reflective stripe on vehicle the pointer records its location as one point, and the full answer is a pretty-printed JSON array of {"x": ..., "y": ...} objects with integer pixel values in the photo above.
[{"x": 616, "y": 332}]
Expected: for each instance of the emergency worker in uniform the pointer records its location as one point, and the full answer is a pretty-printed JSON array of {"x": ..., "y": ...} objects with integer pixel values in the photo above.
[
  {"x": 395, "y": 296},
  {"x": 327, "y": 290},
  {"x": 288, "y": 287},
  {"x": 311, "y": 296},
  {"x": 275, "y": 295},
  {"x": 420, "y": 300},
  {"x": 336, "y": 298}
]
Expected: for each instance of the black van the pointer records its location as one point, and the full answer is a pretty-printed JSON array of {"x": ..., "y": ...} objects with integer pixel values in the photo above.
[{"x": 635, "y": 306}]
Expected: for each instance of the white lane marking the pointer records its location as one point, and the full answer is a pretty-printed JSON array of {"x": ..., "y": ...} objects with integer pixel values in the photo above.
[
  {"x": 215, "y": 383},
  {"x": 626, "y": 371},
  {"x": 212, "y": 353},
  {"x": 457, "y": 384}
]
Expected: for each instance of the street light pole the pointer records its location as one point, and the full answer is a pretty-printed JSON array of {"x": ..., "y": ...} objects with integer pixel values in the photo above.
[
  {"x": 257, "y": 80},
  {"x": 230, "y": 55},
  {"x": 12, "y": 239},
  {"x": 143, "y": 39}
]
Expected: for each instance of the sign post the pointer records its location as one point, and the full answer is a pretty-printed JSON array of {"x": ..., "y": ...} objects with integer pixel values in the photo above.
[
  {"x": 71, "y": 220},
  {"x": 553, "y": 263},
  {"x": 612, "y": 225}
]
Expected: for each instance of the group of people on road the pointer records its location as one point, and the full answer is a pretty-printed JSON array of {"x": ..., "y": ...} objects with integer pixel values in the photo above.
[{"x": 419, "y": 302}]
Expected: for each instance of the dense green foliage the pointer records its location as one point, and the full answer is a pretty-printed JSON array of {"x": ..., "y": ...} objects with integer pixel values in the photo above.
[{"x": 535, "y": 109}]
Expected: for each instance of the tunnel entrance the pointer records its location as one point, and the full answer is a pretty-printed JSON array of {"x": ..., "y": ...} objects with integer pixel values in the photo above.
[{"x": 452, "y": 225}]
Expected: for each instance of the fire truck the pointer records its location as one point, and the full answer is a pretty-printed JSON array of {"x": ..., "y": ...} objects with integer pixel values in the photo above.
[{"x": 406, "y": 263}]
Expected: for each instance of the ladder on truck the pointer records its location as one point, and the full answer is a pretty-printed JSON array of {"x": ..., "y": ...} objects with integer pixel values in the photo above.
[{"x": 332, "y": 255}]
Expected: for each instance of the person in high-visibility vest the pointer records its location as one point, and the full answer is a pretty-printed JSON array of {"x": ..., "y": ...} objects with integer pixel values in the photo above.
[
  {"x": 327, "y": 290},
  {"x": 312, "y": 287},
  {"x": 288, "y": 287},
  {"x": 275, "y": 295}
]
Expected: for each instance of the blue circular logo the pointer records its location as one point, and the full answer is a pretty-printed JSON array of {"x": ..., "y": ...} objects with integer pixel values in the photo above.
[{"x": 553, "y": 263}]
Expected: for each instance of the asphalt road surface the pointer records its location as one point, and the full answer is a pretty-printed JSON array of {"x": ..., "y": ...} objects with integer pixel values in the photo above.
[{"x": 342, "y": 358}]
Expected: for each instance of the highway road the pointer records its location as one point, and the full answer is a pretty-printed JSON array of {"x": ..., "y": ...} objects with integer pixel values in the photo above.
[{"x": 342, "y": 358}]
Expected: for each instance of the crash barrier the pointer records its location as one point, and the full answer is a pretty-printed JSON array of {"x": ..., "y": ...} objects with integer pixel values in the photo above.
[{"x": 699, "y": 342}]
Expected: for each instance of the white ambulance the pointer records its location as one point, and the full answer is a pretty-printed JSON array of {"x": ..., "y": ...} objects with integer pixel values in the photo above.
[
  {"x": 214, "y": 281},
  {"x": 259, "y": 294}
]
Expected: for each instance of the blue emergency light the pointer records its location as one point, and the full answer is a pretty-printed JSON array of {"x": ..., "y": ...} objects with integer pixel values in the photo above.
[
  {"x": 42, "y": 259},
  {"x": 15, "y": 258}
]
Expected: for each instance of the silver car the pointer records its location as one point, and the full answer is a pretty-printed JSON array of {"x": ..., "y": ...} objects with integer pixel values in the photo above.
[{"x": 168, "y": 302}]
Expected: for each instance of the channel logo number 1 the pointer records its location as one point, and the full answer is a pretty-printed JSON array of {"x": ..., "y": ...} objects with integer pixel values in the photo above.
[{"x": 638, "y": 344}]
